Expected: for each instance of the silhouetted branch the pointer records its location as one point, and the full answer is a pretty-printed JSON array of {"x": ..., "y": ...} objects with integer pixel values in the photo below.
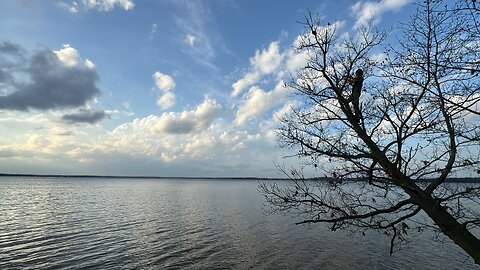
[{"x": 416, "y": 120}]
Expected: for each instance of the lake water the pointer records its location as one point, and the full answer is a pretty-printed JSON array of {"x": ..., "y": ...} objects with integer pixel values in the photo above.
[{"x": 95, "y": 223}]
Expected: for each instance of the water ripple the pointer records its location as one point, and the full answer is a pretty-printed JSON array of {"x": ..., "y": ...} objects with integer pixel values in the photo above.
[{"x": 52, "y": 223}]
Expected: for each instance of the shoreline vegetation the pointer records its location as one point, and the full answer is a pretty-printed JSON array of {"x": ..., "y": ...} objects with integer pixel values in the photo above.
[{"x": 327, "y": 179}]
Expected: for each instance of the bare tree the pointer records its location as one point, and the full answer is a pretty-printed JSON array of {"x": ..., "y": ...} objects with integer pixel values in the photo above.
[{"x": 417, "y": 124}]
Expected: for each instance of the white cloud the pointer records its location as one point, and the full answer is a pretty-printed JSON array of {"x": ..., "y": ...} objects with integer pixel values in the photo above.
[
  {"x": 188, "y": 121},
  {"x": 258, "y": 102},
  {"x": 196, "y": 141},
  {"x": 267, "y": 60},
  {"x": 166, "y": 100},
  {"x": 216, "y": 145},
  {"x": 295, "y": 60},
  {"x": 371, "y": 11},
  {"x": 171, "y": 137},
  {"x": 89, "y": 64},
  {"x": 249, "y": 79},
  {"x": 68, "y": 56},
  {"x": 144, "y": 146},
  {"x": 285, "y": 110},
  {"x": 163, "y": 81},
  {"x": 190, "y": 39},
  {"x": 264, "y": 62},
  {"x": 108, "y": 5},
  {"x": 46, "y": 140},
  {"x": 99, "y": 5}
]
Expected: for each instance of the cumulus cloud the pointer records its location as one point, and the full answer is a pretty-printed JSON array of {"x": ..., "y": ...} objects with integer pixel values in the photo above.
[
  {"x": 212, "y": 141},
  {"x": 248, "y": 79},
  {"x": 163, "y": 81},
  {"x": 371, "y": 11},
  {"x": 214, "y": 147},
  {"x": 264, "y": 62},
  {"x": 267, "y": 60},
  {"x": 258, "y": 102},
  {"x": 170, "y": 137},
  {"x": 268, "y": 63},
  {"x": 273, "y": 63},
  {"x": 46, "y": 79},
  {"x": 188, "y": 121},
  {"x": 69, "y": 56},
  {"x": 85, "y": 116},
  {"x": 166, "y": 100},
  {"x": 99, "y": 5},
  {"x": 295, "y": 60},
  {"x": 165, "y": 84}
]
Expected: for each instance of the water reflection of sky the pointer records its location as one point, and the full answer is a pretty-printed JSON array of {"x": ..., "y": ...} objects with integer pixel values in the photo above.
[{"x": 142, "y": 223}]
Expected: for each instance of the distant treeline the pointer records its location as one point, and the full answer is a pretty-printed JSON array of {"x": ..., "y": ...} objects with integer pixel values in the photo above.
[
  {"x": 449, "y": 180},
  {"x": 329, "y": 179},
  {"x": 133, "y": 176}
]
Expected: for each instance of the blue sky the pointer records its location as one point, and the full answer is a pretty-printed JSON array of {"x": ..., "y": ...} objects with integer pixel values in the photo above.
[{"x": 166, "y": 88}]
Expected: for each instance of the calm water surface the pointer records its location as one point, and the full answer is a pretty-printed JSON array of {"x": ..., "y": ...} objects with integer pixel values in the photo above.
[{"x": 94, "y": 223}]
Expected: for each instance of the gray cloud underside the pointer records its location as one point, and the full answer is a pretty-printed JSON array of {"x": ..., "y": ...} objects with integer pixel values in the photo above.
[
  {"x": 10, "y": 48},
  {"x": 180, "y": 126},
  {"x": 85, "y": 116},
  {"x": 46, "y": 83}
]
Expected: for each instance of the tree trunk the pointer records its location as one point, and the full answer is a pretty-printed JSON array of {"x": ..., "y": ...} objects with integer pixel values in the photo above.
[{"x": 451, "y": 227}]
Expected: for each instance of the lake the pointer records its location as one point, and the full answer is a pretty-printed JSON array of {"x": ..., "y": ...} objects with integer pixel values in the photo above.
[{"x": 125, "y": 223}]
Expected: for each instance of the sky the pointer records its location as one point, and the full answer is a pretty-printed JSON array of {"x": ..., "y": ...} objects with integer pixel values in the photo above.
[{"x": 156, "y": 87}]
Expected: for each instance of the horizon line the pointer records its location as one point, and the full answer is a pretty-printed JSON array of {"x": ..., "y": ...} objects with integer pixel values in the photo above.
[
  {"x": 138, "y": 176},
  {"x": 450, "y": 179}
]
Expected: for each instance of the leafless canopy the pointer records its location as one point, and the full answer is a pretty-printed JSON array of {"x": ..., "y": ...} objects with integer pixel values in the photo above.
[{"x": 418, "y": 120}]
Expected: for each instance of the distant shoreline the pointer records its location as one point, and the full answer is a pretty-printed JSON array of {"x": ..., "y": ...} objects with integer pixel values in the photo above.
[
  {"x": 449, "y": 180},
  {"x": 134, "y": 177}
]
